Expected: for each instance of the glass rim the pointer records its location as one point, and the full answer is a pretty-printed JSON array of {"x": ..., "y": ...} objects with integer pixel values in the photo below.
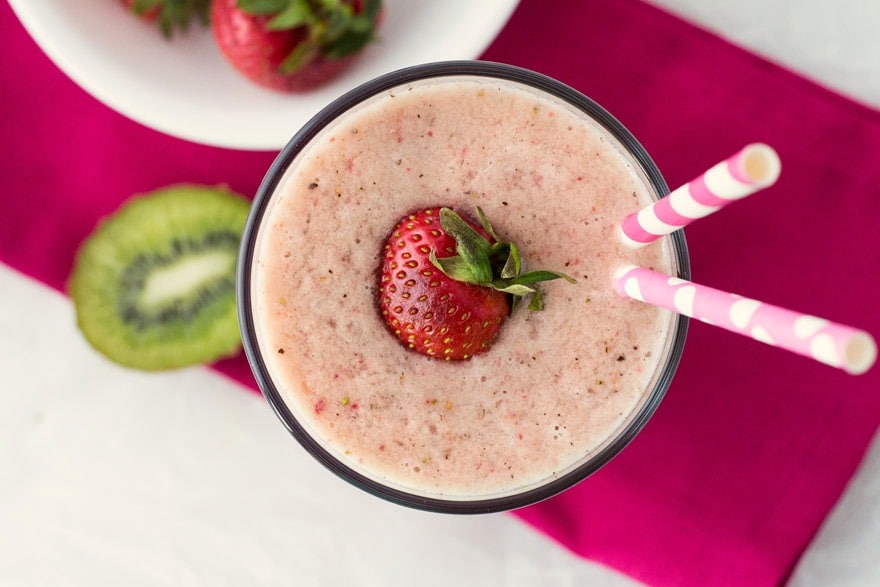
[{"x": 244, "y": 268}]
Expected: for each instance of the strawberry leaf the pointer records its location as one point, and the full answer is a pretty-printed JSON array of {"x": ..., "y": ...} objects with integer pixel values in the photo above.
[
  {"x": 513, "y": 263},
  {"x": 173, "y": 15},
  {"x": 498, "y": 265},
  {"x": 516, "y": 289},
  {"x": 371, "y": 9},
  {"x": 332, "y": 27},
  {"x": 297, "y": 13},
  {"x": 349, "y": 43},
  {"x": 470, "y": 245},
  {"x": 262, "y": 6},
  {"x": 484, "y": 222},
  {"x": 300, "y": 56},
  {"x": 539, "y": 276},
  {"x": 537, "y": 302},
  {"x": 141, "y": 7},
  {"x": 456, "y": 268}
]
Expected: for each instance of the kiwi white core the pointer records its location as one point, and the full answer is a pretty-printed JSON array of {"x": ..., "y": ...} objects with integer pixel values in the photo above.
[{"x": 184, "y": 276}]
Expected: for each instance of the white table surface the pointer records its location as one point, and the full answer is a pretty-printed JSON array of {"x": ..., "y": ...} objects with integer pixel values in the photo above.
[{"x": 113, "y": 477}]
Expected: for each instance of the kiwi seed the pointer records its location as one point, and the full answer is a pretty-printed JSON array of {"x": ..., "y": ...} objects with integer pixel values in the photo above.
[{"x": 154, "y": 285}]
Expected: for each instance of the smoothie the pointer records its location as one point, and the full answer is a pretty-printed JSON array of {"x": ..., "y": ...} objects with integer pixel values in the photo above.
[{"x": 557, "y": 387}]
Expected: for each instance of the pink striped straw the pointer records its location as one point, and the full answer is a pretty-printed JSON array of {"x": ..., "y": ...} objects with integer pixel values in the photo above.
[
  {"x": 754, "y": 168},
  {"x": 834, "y": 344}
]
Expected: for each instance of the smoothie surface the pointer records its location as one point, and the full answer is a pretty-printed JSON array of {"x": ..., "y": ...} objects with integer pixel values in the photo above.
[{"x": 555, "y": 385}]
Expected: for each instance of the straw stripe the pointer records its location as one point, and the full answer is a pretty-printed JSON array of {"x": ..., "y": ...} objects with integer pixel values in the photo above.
[
  {"x": 700, "y": 193},
  {"x": 834, "y": 344},
  {"x": 671, "y": 216},
  {"x": 753, "y": 168}
]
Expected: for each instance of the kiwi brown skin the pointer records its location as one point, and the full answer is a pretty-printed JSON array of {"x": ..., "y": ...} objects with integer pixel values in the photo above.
[{"x": 153, "y": 286}]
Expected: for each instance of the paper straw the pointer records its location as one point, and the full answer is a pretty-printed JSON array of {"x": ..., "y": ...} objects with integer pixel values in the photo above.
[
  {"x": 834, "y": 344},
  {"x": 754, "y": 168}
]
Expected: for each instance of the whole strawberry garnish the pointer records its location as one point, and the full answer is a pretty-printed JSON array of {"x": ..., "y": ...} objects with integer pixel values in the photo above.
[
  {"x": 447, "y": 284},
  {"x": 171, "y": 14},
  {"x": 293, "y": 45}
]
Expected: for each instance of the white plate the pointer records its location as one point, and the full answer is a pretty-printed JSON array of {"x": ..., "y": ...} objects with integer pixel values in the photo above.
[{"x": 184, "y": 88}]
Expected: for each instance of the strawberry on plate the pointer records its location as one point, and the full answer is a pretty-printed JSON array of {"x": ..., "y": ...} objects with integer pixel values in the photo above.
[
  {"x": 293, "y": 45},
  {"x": 171, "y": 14},
  {"x": 447, "y": 284}
]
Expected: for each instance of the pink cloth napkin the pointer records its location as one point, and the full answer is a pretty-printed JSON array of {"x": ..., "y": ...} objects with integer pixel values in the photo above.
[{"x": 732, "y": 477}]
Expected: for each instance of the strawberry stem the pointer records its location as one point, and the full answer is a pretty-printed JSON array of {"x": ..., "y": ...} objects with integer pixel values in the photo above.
[{"x": 481, "y": 262}]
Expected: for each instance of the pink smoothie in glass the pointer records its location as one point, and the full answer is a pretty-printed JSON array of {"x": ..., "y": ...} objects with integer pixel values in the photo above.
[{"x": 557, "y": 384}]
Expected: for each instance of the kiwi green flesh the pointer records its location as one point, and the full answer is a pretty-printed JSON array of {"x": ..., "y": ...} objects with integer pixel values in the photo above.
[{"x": 154, "y": 285}]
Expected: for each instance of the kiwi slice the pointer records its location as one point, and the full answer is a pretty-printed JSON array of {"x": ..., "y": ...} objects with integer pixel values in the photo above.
[{"x": 154, "y": 285}]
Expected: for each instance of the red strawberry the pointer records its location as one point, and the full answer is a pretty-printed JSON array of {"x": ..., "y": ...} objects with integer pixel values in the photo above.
[
  {"x": 447, "y": 283},
  {"x": 293, "y": 45},
  {"x": 170, "y": 14}
]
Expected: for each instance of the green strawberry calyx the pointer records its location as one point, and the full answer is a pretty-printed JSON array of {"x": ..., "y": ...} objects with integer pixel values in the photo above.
[
  {"x": 495, "y": 265},
  {"x": 334, "y": 29},
  {"x": 173, "y": 14}
]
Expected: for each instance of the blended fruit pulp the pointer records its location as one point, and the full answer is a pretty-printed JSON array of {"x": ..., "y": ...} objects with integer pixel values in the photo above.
[{"x": 555, "y": 385}]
